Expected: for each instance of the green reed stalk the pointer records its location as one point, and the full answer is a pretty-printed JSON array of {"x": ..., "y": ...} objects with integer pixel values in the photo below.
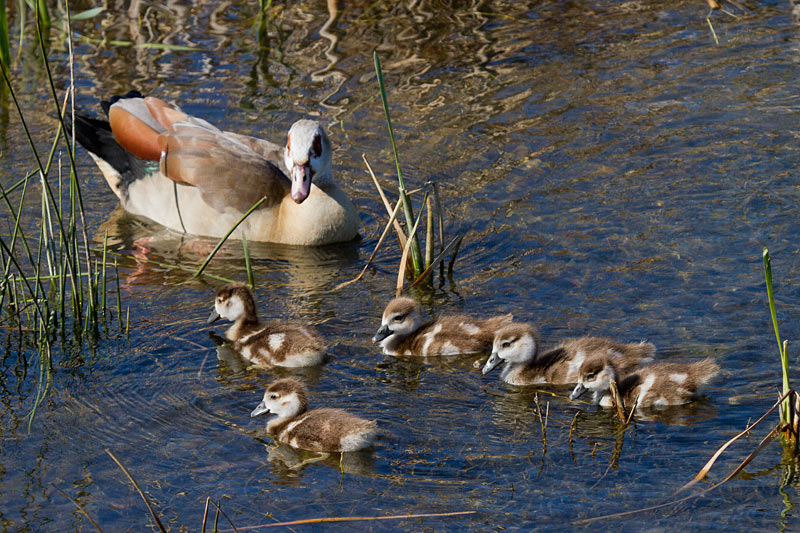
[
  {"x": 75, "y": 185},
  {"x": 17, "y": 230},
  {"x": 43, "y": 174},
  {"x": 416, "y": 254},
  {"x": 785, "y": 412},
  {"x": 105, "y": 254},
  {"x": 45, "y": 368},
  {"x": 5, "y": 45},
  {"x": 248, "y": 266},
  {"x": 42, "y": 13},
  {"x": 119, "y": 297}
]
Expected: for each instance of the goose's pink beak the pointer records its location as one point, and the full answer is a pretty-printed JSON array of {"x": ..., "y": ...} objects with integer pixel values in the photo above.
[{"x": 301, "y": 182}]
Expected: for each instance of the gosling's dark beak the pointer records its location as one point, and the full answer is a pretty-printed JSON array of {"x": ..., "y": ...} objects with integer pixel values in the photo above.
[
  {"x": 260, "y": 410},
  {"x": 579, "y": 389},
  {"x": 492, "y": 362},
  {"x": 382, "y": 333},
  {"x": 213, "y": 317}
]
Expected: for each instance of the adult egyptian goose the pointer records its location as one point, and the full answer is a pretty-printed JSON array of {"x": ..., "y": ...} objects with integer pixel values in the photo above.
[
  {"x": 265, "y": 344},
  {"x": 518, "y": 346},
  {"x": 404, "y": 332},
  {"x": 656, "y": 385},
  {"x": 192, "y": 177},
  {"x": 318, "y": 430}
]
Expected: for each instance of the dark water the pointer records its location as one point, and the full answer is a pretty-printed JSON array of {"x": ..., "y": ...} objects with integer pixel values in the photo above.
[{"x": 618, "y": 174}]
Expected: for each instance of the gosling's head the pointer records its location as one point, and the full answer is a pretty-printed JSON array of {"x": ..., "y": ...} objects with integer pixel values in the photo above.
[
  {"x": 233, "y": 302},
  {"x": 286, "y": 398},
  {"x": 595, "y": 375},
  {"x": 400, "y": 318},
  {"x": 515, "y": 343}
]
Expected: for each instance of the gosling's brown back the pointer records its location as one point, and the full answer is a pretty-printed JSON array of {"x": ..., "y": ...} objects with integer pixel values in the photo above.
[
  {"x": 666, "y": 383},
  {"x": 273, "y": 342},
  {"x": 321, "y": 430},
  {"x": 453, "y": 334}
]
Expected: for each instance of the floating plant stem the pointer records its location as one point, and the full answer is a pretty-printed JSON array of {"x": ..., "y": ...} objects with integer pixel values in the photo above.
[
  {"x": 360, "y": 518},
  {"x": 142, "y": 494},
  {"x": 76, "y": 504}
]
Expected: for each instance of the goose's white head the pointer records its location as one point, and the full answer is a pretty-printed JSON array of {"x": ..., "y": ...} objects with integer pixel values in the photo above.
[
  {"x": 400, "y": 318},
  {"x": 233, "y": 302},
  {"x": 515, "y": 343},
  {"x": 307, "y": 157},
  {"x": 286, "y": 398},
  {"x": 595, "y": 375}
]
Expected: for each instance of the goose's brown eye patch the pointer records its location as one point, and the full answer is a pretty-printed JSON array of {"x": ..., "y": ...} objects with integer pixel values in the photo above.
[
  {"x": 289, "y": 142},
  {"x": 316, "y": 146}
]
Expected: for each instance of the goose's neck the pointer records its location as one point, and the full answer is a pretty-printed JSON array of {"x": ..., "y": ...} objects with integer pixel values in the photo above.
[
  {"x": 276, "y": 425},
  {"x": 243, "y": 326}
]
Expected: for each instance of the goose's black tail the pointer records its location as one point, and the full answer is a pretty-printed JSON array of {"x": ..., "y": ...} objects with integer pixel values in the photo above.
[{"x": 96, "y": 137}]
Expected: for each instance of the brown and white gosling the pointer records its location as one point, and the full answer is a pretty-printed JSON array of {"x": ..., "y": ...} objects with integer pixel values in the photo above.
[
  {"x": 404, "y": 332},
  {"x": 656, "y": 385},
  {"x": 518, "y": 346},
  {"x": 318, "y": 430},
  {"x": 272, "y": 343}
]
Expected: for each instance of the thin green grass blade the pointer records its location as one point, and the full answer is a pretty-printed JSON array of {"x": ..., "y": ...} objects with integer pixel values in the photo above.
[
  {"x": 774, "y": 315},
  {"x": 248, "y": 266},
  {"x": 119, "y": 298},
  {"x": 105, "y": 255},
  {"x": 225, "y": 238}
]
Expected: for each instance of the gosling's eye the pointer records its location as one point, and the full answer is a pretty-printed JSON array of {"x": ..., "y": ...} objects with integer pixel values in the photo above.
[
  {"x": 506, "y": 344},
  {"x": 273, "y": 396},
  {"x": 591, "y": 375},
  {"x": 399, "y": 318}
]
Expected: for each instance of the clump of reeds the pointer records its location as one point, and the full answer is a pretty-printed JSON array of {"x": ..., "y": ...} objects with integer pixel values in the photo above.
[
  {"x": 788, "y": 416},
  {"x": 413, "y": 264},
  {"x": 53, "y": 283}
]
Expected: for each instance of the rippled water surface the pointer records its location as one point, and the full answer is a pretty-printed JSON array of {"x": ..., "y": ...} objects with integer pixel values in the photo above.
[{"x": 617, "y": 173}]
